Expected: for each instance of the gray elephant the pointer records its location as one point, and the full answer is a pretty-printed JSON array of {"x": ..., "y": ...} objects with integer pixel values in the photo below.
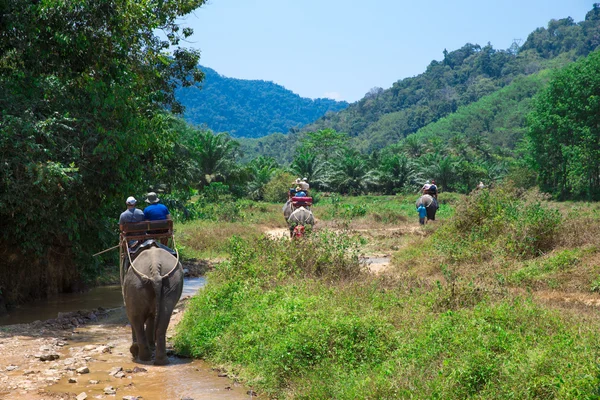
[
  {"x": 152, "y": 286},
  {"x": 287, "y": 209},
  {"x": 300, "y": 217},
  {"x": 431, "y": 205}
]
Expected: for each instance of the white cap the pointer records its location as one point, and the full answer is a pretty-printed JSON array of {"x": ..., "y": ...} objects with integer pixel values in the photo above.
[{"x": 131, "y": 201}]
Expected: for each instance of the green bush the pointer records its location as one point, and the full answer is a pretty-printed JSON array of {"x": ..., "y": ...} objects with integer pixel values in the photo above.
[
  {"x": 310, "y": 326},
  {"x": 276, "y": 191},
  {"x": 502, "y": 220}
]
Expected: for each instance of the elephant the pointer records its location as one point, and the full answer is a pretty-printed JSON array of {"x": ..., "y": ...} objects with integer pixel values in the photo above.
[
  {"x": 300, "y": 217},
  {"x": 430, "y": 203},
  {"x": 152, "y": 286},
  {"x": 287, "y": 209}
]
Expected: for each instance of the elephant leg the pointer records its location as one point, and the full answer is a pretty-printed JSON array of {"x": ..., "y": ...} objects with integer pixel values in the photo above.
[
  {"x": 431, "y": 213},
  {"x": 134, "y": 349},
  {"x": 169, "y": 301},
  {"x": 150, "y": 331},
  {"x": 140, "y": 349}
]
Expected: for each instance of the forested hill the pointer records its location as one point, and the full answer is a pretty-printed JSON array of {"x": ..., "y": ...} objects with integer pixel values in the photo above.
[
  {"x": 462, "y": 77},
  {"x": 250, "y": 108}
]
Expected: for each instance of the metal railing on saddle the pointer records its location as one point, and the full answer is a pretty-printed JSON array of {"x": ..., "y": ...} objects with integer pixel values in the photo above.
[{"x": 140, "y": 232}]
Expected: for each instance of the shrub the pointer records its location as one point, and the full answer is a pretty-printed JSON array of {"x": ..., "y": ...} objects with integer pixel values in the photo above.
[
  {"x": 501, "y": 220},
  {"x": 276, "y": 191}
]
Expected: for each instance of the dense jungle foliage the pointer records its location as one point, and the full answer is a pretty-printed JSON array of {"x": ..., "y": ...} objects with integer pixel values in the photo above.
[
  {"x": 85, "y": 93},
  {"x": 249, "y": 108},
  {"x": 89, "y": 117}
]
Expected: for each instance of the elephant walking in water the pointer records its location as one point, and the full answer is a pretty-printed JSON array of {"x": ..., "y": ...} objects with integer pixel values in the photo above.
[
  {"x": 152, "y": 286},
  {"x": 431, "y": 205}
]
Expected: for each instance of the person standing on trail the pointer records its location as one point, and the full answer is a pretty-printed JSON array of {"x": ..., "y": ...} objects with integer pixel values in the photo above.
[
  {"x": 422, "y": 213},
  {"x": 132, "y": 214}
]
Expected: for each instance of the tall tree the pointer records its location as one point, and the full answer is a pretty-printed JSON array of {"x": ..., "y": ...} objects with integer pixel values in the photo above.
[
  {"x": 564, "y": 131},
  {"x": 83, "y": 90}
]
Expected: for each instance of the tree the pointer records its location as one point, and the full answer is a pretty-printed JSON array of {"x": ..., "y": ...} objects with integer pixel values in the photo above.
[
  {"x": 308, "y": 165},
  {"x": 325, "y": 143},
  {"x": 83, "y": 91},
  {"x": 564, "y": 131},
  {"x": 351, "y": 174},
  {"x": 396, "y": 172},
  {"x": 262, "y": 170},
  {"x": 215, "y": 156}
]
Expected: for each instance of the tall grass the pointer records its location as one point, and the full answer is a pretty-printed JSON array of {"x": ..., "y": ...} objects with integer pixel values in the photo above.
[
  {"x": 500, "y": 221},
  {"x": 301, "y": 320}
]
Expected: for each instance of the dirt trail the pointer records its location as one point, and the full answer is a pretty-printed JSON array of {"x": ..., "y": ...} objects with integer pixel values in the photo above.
[{"x": 43, "y": 360}]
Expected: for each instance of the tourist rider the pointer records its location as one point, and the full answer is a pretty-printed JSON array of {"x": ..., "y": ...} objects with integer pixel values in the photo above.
[
  {"x": 132, "y": 214},
  {"x": 425, "y": 187},
  {"x": 433, "y": 189},
  {"x": 156, "y": 211},
  {"x": 304, "y": 186}
]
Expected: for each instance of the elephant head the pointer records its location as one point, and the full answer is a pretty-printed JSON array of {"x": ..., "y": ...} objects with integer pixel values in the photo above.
[{"x": 430, "y": 204}]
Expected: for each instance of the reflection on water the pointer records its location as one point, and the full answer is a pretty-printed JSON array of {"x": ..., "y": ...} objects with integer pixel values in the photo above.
[{"x": 103, "y": 296}]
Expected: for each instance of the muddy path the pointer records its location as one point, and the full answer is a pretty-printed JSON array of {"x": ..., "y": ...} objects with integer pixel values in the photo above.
[{"x": 86, "y": 355}]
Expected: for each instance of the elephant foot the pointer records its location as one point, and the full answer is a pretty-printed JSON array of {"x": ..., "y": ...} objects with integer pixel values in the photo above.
[
  {"x": 161, "y": 361},
  {"x": 141, "y": 353},
  {"x": 134, "y": 350}
]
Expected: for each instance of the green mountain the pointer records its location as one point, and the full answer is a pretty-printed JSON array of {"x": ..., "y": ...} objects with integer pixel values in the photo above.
[
  {"x": 463, "y": 94},
  {"x": 462, "y": 77},
  {"x": 249, "y": 108}
]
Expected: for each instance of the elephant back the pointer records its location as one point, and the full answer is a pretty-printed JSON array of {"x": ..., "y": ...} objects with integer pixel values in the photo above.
[{"x": 302, "y": 216}]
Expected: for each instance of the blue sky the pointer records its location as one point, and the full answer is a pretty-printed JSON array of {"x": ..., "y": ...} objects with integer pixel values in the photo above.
[{"x": 341, "y": 49}]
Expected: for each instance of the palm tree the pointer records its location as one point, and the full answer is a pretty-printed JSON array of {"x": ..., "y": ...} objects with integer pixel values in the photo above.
[
  {"x": 308, "y": 165},
  {"x": 412, "y": 145},
  {"x": 214, "y": 155},
  {"x": 351, "y": 173},
  {"x": 262, "y": 169},
  {"x": 396, "y": 171}
]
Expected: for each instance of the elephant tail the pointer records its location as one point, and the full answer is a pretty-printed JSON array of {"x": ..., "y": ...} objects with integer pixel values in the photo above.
[{"x": 157, "y": 285}]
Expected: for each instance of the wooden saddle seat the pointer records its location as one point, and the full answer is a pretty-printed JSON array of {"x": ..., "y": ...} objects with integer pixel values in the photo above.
[
  {"x": 148, "y": 230},
  {"x": 298, "y": 201}
]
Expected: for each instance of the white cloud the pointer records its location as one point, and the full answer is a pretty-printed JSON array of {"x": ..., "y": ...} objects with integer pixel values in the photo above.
[{"x": 333, "y": 95}]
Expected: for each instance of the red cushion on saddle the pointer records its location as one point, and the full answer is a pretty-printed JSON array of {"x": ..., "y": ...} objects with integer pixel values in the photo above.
[{"x": 301, "y": 201}]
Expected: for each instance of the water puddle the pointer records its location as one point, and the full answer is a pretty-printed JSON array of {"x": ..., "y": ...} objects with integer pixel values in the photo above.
[
  {"x": 182, "y": 378},
  {"x": 104, "y": 296}
]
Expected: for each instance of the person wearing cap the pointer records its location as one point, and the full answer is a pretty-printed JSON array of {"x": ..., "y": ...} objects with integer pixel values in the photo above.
[
  {"x": 132, "y": 214},
  {"x": 425, "y": 187},
  {"x": 433, "y": 189},
  {"x": 304, "y": 185},
  {"x": 155, "y": 211}
]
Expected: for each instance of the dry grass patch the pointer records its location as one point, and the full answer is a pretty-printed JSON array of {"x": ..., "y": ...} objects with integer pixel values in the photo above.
[{"x": 208, "y": 239}]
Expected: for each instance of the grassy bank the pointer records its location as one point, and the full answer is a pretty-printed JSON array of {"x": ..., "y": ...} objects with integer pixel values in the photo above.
[{"x": 304, "y": 319}]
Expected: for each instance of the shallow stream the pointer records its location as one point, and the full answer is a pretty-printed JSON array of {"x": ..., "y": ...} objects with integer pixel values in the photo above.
[{"x": 104, "y": 296}]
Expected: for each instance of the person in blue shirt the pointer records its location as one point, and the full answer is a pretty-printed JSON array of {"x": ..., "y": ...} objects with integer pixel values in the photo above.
[
  {"x": 155, "y": 211},
  {"x": 422, "y": 213}
]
